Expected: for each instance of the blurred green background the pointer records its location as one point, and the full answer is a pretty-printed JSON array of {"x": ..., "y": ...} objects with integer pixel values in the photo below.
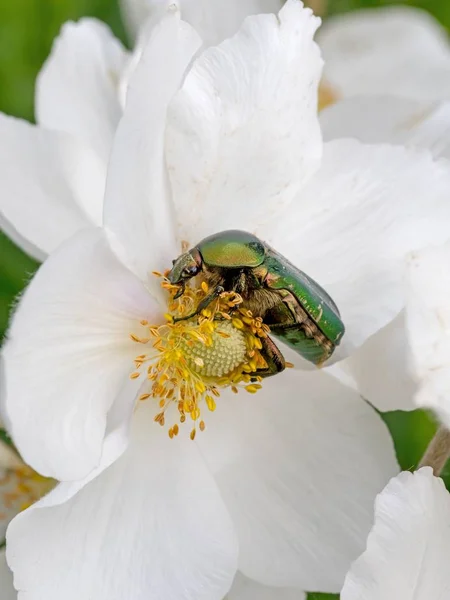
[{"x": 27, "y": 29}]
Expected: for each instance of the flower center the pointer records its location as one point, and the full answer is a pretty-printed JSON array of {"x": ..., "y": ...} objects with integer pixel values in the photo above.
[
  {"x": 198, "y": 352},
  {"x": 225, "y": 352}
]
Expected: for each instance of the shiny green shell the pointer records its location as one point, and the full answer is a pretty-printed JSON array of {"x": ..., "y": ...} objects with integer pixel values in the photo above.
[
  {"x": 320, "y": 307},
  {"x": 239, "y": 249},
  {"x": 232, "y": 249}
]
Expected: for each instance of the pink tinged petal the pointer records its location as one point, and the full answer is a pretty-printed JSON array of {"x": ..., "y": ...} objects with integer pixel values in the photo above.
[
  {"x": 408, "y": 547},
  {"x": 428, "y": 327},
  {"x": 138, "y": 202},
  {"x": 52, "y": 186},
  {"x": 355, "y": 223},
  {"x": 151, "y": 527},
  {"x": 214, "y": 20},
  {"x": 6, "y": 580},
  {"x": 77, "y": 88},
  {"x": 69, "y": 354},
  {"x": 382, "y": 369},
  {"x": 299, "y": 465},
  {"x": 247, "y": 589},
  {"x": 242, "y": 133},
  {"x": 397, "y": 50}
]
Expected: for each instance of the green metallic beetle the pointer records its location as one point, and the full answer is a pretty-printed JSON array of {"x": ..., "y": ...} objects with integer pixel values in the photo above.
[{"x": 297, "y": 310}]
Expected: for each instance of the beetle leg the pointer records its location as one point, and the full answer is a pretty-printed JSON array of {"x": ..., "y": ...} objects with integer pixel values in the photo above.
[
  {"x": 273, "y": 357},
  {"x": 203, "y": 304}
]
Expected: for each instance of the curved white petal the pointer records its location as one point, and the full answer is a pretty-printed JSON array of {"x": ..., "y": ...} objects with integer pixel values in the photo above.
[
  {"x": 428, "y": 327},
  {"x": 6, "y": 580},
  {"x": 247, "y": 589},
  {"x": 137, "y": 201},
  {"x": 408, "y": 547},
  {"x": 151, "y": 527},
  {"x": 214, "y": 20},
  {"x": 377, "y": 119},
  {"x": 299, "y": 465},
  {"x": 52, "y": 186},
  {"x": 69, "y": 353},
  {"x": 242, "y": 133},
  {"x": 353, "y": 225},
  {"x": 382, "y": 369},
  {"x": 394, "y": 50},
  {"x": 77, "y": 88}
]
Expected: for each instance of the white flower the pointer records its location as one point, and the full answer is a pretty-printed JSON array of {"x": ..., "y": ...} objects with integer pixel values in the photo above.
[
  {"x": 398, "y": 50},
  {"x": 281, "y": 484},
  {"x": 408, "y": 547},
  {"x": 80, "y": 94},
  {"x": 428, "y": 327}
]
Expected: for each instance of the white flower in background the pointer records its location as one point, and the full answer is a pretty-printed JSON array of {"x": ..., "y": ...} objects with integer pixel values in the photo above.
[
  {"x": 381, "y": 368},
  {"x": 384, "y": 45},
  {"x": 428, "y": 327},
  {"x": 398, "y": 50},
  {"x": 409, "y": 545},
  {"x": 80, "y": 94},
  {"x": 20, "y": 487}
]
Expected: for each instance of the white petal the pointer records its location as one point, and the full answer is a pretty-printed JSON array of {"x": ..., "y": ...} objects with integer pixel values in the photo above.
[
  {"x": 69, "y": 354},
  {"x": 77, "y": 89},
  {"x": 52, "y": 186},
  {"x": 151, "y": 527},
  {"x": 428, "y": 327},
  {"x": 247, "y": 589},
  {"x": 242, "y": 133},
  {"x": 6, "y": 580},
  {"x": 299, "y": 465},
  {"x": 357, "y": 219},
  {"x": 432, "y": 131},
  {"x": 382, "y": 370},
  {"x": 370, "y": 119},
  {"x": 408, "y": 547},
  {"x": 215, "y": 20},
  {"x": 137, "y": 202},
  {"x": 375, "y": 119},
  {"x": 395, "y": 50}
]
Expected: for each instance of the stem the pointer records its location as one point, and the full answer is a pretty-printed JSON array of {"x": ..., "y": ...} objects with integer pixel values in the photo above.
[{"x": 438, "y": 451}]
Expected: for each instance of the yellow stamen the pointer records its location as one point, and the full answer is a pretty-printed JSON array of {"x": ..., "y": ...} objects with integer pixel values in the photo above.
[{"x": 188, "y": 361}]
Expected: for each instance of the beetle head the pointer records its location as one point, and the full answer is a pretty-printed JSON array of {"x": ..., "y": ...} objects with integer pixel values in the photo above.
[{"x": 185, "y": 267}]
